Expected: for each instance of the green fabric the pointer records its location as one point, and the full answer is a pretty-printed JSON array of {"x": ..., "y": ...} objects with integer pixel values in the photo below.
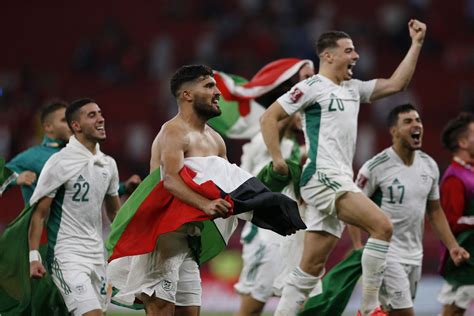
[
  {"x": 230, "y": 111},
  {"x": 20, "y": 295},
  {"x": 128, "y": 209},
  {"x": 463, "y": 274},
  {"x": 277, "y": 182},
  {"x": 5, "y": 173},
  {"x": 338, "y": 286}
]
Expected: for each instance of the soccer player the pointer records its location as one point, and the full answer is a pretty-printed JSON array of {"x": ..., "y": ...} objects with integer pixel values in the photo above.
[
  {"x": 29, "y": 163},
  {"x": 330, "y": 102},
  {"x": 403, "y": 182},
  {"x": 70, "y": 192},
  {"x": 457, "y": 185}
]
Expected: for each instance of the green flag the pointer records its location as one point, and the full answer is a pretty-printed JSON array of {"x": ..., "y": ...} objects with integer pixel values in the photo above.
[
  {"x": 6, "y": 176},
  {"x": 19, "y": 294},
  {"x": 338, "y": 286}
]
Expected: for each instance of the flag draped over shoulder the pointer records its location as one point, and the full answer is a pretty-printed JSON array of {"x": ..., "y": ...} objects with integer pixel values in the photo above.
[
  {"x": 6, "y": 176},
  {"x": 20, "y": 295},
  {"x": 338, "y": 286},
  {"x": 240, "y": 111},
  {"x": 152, "y": 211}
]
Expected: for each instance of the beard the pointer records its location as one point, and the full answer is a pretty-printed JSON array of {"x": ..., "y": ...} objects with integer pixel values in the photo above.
[{"x": 206, "y": 110}]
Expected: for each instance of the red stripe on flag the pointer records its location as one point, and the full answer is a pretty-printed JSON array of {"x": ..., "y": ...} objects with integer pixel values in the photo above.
[{"x": 161, "y": 213}]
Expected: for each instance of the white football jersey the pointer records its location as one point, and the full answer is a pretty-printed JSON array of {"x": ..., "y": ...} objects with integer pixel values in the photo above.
[
  {"x": 75, "y": 220},
  {"x": 329, "y": 118},
  {"x": 402, "y": 192}
]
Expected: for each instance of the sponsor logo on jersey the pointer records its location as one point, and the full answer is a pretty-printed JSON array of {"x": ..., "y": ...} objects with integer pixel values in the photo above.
[
  {"x": 396, "y": 181},
  {"x": 80, "y": 178},
  {"x": 295, "y": 95}
]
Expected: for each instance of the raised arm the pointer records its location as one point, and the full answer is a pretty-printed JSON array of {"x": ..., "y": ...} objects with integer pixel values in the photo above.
[
  {"x": 168, "y": 152},
  {"x": 440, "y": 226},
  {"x": 270, "y": 132},
  {"x": 40, "y": 213},
  {"x": 404, "y": 72}
]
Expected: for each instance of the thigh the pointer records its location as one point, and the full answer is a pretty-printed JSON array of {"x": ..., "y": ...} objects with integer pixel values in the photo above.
[
  {"x": 188, "y": 291},
  {"x": 357, "y": 209},
  {"x": 395, "y": 292},
  {"x": 74, "y": 282}
]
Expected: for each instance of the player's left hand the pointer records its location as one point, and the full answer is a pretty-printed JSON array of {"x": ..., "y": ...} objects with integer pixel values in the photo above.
[
  {"x": 417, "y": 30},
  {"x": 459, "y": 255},
  {"x": 132, "y": 183}
]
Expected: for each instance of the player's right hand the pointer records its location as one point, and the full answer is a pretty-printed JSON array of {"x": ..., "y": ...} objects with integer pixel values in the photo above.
[
  {"x": 37, "y": 270},
  {"x": 280, "y": 167},
  {"x": 26, "y": 178},
  {"x": 417, "y": 30},
  {"x": 218, "y": 208}
]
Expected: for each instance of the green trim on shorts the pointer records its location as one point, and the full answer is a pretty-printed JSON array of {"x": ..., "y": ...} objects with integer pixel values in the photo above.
[
  {"x": 252, "y": 274},
  {"x": 59, "y": 274},
  {"x": 313, "y": 126},
  {"x": 331, "y": 184}
]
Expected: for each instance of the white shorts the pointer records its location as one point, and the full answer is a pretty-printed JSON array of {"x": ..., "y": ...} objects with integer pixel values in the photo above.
[
  {"x": 399, "y": 285},
  {"x": 261, "y": 265},
  {"x": 320, "y": 194},
  {"x": 462, "y": 296},
  {"x": 169, "y": 272},
  {"x": 83, "y": 286}
]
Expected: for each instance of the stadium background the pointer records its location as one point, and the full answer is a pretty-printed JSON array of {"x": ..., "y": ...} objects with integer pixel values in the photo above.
[{"x": 123, "y": 54}]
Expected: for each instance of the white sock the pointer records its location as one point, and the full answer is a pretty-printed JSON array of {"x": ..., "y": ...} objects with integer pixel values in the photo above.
[
  {"x": 373, "y": 267},
  {"x": 299, "y": 284}
]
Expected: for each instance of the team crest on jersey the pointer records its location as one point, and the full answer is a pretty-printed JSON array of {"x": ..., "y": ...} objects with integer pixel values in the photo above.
[
  {"x": 166, "y": 285},
  {"x": 424, "y": 178},
  {"x": 361, "y": 181},
  {"x": 295, "y": 95}
]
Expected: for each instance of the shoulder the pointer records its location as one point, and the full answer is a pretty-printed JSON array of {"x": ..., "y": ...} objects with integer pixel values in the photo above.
[
  {"x": 379, "y": 160},
  {"x": 172, "y": 132},
  {"x": 428, "y": 161}
]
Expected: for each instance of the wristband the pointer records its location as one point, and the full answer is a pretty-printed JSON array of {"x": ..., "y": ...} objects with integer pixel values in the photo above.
[{"x": 35, "y": 256}]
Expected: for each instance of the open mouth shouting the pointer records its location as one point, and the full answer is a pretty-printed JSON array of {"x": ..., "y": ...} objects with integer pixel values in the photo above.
[
  {"x": 416, "y": 137},
  {"x": 350, "y": 67}
]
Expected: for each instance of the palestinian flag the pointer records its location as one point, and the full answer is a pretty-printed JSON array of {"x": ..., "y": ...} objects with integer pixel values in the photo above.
[
  {"x": 19, "y": 294},
  {"x": 240, "y": 110},
  {"x": 152, "y": 211},
  {"x": 7, "y": 176}
]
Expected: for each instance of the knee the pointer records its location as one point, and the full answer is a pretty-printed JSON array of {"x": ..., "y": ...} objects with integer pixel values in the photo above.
[{"x": 383, "y": 229}]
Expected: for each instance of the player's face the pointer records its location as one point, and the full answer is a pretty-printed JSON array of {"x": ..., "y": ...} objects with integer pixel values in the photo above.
[
  {"x": 305, "y": 72},
  {"x": 91, "y": 122},
  {"x": 58, "y": 126},
  {"x": 345, "y": 58},
  {"x": 206, "y": 98},
  {"x": 409, "y": 130}
]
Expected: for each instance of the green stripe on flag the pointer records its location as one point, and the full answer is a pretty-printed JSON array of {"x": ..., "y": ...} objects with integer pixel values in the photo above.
[
  {"x": 230, "y": 111},
  {"x": 212, "y": 240},
  {"x": 129, "y": 208}
]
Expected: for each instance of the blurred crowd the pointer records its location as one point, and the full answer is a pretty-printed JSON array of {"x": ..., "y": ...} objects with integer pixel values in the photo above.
[{"x": 123, "y": 56}]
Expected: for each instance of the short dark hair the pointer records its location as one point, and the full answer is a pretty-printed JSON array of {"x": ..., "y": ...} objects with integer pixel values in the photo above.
[
  {"x": 455, "y": 129},
  {"x": 392, "y": 117},
  {"x": 329, "y": 40},
  {"x": 74, "y": 107},
  {"x": 188, "y": 73},
  {"x": 51, "y": 107}
]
